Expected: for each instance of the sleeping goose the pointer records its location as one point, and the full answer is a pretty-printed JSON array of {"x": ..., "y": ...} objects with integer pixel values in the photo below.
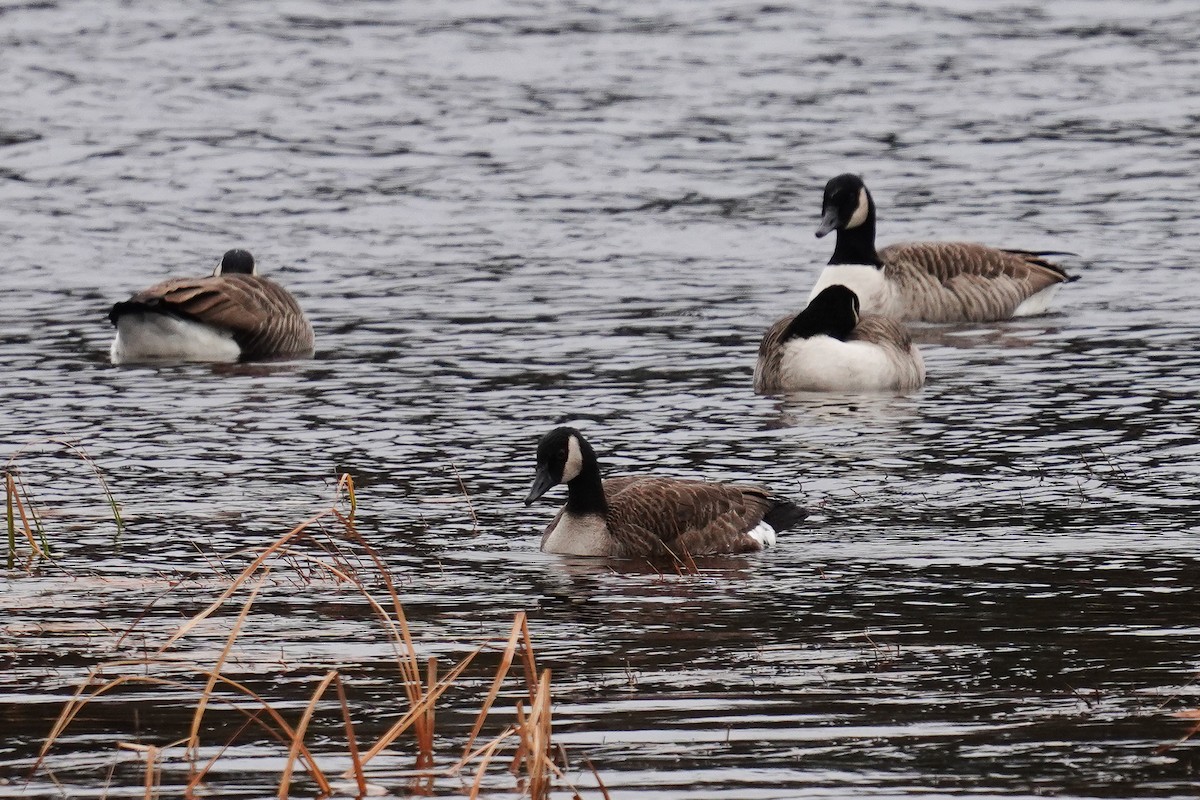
[
  {"x": 928, "y": 281},
  {"x": 829, "y": 347},
  {"x": 648, "y": 517},
  {"x": 232, "y": 315}
]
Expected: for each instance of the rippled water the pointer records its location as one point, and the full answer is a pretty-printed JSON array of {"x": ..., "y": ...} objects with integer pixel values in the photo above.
[{"x": 505, "y": 216}]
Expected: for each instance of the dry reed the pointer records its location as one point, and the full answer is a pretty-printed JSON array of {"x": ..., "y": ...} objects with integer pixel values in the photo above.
[
  {"x": 529, "y": 734},
  {"x": 19, "y": 501}
]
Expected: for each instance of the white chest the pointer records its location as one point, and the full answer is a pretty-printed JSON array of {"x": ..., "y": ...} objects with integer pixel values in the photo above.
[
  {"x": 876, "y": 295},
  {"x": 578, "y": 536}
]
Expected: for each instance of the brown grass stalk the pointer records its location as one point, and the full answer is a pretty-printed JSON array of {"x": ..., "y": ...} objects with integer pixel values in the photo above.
[
  {"x": 535, "y": 741},
  {"x": 10, "y": 493},
  {"x": 194, "y": 736},
  {"x": 1191, "y": 714},
  {"x": 31, "y": 527},
  {"x": 198, "y": 776},
  {"x": 351, "y": 740},
  {"x": 470, "y": 507},
  {"x": 518, "y": 634},
  {"x": 241, "y": 578},
  {"x": 599, "y": 781},
  {"x": 78, "y": 451},
  {"x": 153, "y": 777},
  {"x": 424, "y": 724},
  {"x": 346, "y": 484},
  {"x": 285, "y": 780},
  {"x": 423, "y": 688},
  {"x": 488, "y": 753},
  {"x": 410, "y": 669},
  {"x": 282, "y": 732},
  {"x": 415, "y": 711}
]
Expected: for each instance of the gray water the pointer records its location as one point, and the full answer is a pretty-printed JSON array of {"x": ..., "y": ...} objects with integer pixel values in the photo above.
[{"x": 501, "y": 217}]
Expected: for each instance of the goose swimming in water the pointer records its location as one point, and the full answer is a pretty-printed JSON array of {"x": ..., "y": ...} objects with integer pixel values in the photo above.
[
  {"x": 829, "y": 347},
  {"x": 232, "y": 315},
  {"x": 928, "y": 281},
  {"x": 650, "y": 517}
]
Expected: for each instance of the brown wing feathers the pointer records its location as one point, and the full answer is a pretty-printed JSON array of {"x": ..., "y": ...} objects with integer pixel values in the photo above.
[
  {"x": 882, "y": 331},
  {"x": 946, "y": 281},
  {"x": 660, "y": 516}
]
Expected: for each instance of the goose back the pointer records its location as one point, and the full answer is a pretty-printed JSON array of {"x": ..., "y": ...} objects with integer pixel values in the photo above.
[
  {"x": 877, "y": 355},
  {"x": 666, "y": 517},
  {"x": 964, "y": 281},
  {"x": 259, "y": 315}
]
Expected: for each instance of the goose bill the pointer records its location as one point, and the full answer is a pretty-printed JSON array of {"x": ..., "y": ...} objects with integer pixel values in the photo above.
[
  {"x": 828, "y": 222},
  {"x": 543, "y": 482}
]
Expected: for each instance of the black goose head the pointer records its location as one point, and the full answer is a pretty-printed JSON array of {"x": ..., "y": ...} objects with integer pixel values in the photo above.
[
  {"x": 562, "y": 455},
  {"x": 236, "y": 262},
  {"x": 847, "y": 205},
  {"x": 834, "y": 312}
]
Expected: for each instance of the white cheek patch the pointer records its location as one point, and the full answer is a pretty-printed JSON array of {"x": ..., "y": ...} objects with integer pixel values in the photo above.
[
  {"x": 574, "y": 463},
  {"x": 860, "y": 213}
]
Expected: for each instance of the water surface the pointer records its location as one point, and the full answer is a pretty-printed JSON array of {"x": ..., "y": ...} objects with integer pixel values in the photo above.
[{"x": 503, "y": 217}]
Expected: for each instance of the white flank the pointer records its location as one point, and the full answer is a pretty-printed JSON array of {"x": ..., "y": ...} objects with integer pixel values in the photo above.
[
  {"x": 577, "y": 536},
  {"x": 825, "y": 364},
  {"x": 762, "y": 533},
  {"x": 875, "y": 294},
  {"x": 574, "y": 463},
  {"x": 154, "y": 337},
  {"x": 1038, "y": 303},
  {"x": 860, "y": 213}
]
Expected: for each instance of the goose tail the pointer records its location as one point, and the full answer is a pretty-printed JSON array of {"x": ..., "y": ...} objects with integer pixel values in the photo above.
[{"x": 1040, "y": 257}]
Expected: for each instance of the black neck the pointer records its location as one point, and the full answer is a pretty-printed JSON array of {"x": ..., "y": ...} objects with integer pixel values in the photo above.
[
  {"x": 857, "y": 245},
  {"x": 823, "y": 317},
  {"x": 585, "y": 493}
]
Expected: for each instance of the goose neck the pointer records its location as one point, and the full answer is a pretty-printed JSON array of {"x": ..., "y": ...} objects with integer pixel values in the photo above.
[{"x": 585, "y": 492}]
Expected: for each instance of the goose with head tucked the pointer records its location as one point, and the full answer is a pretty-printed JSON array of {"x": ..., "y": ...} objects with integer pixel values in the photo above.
[
  {"x": 830, "y": 347},
  {"x": 928, "y": 281},
  {"x": 650, "y": 517},
  {"x": 232, "y": 315}
]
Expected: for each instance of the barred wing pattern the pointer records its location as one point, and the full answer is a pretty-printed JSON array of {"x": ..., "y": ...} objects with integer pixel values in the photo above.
[
  {"x": 263, "y": 317},
  {"x": 768, "y": 368},
  {"x": 963, "y": 281},
  {"x": 663, "y": 516}
]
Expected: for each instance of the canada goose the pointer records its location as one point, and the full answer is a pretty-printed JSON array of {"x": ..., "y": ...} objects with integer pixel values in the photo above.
[
  {"x": 632, "y": 516},
  {"x": 928, "y": 281},
  {"x": 829, "y": 347},
  {"x": 233, "y": 315}
]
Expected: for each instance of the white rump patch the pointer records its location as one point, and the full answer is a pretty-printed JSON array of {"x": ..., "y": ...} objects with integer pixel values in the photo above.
[
  {"x": 1037, "y": 303},
  {"x": 158, "y": 337},
  {"x": 574, "y": 463},
  {"x": 860, "y": 213},
  {"x": 762, "y": 533}
]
